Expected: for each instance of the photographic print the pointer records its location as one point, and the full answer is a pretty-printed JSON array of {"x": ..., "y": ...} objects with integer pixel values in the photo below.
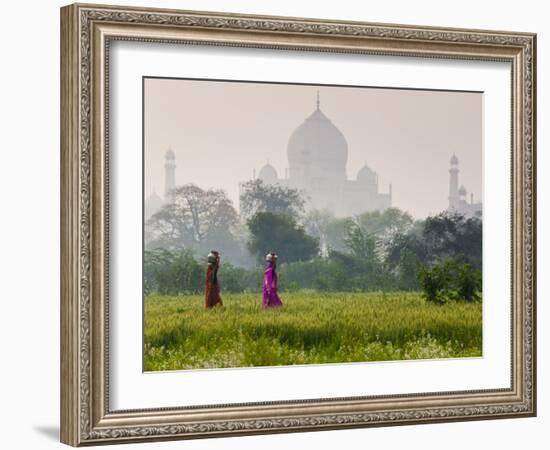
[{"x": 291, "y": 224}]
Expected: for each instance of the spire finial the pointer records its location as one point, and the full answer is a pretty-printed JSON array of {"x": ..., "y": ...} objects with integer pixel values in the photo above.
[{"x": 318, "y": 101}]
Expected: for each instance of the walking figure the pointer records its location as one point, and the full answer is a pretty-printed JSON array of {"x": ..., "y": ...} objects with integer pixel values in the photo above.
[
  {"x": 212, "y": 288},
  {"x": 270, "y": 298}
]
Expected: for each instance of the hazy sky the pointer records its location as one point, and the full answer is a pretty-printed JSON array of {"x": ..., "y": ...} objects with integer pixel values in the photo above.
[{"x": 221, "y": 131}]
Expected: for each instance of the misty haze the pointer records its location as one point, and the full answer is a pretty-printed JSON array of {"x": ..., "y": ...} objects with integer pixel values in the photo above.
[
  {"x": 355, "y": 201},
  {"x": 221, "y": 132}
]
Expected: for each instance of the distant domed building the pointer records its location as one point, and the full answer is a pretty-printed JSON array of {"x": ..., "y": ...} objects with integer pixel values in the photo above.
[
  {"x": 458, "y": 195},
  {"x": 317, "y": 154}
]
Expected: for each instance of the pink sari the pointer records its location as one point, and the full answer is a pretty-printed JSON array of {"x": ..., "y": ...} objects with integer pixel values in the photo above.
[{"x": 270, "y": 298}]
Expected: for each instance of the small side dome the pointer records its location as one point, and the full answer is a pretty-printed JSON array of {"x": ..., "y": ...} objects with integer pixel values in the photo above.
[
  {"x": 152, "y": 204},
  {"x": 454, "y": 160},
  {"x": 268, "y": 174},
  {"x": 154, "y": 198},
  {"x": 366, "y": 175},
  {"x": 462, "y": 191}
]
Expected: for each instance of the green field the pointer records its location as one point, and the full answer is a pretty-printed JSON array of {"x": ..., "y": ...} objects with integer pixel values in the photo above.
[{"x": 311, "y": 328}]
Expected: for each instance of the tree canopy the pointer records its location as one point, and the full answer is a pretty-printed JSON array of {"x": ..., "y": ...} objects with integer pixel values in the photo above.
[
  {"x": 281, "y": 234},
  {"x": 257, "y": 196},
  {"x": 374, "y": 250},
  {"x": 195, "y": 218},
  {"x": 447, "y": 235}
]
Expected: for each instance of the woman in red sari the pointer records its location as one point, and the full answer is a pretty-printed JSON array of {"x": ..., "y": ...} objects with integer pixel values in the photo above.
[{"x": 212, "y": 288}]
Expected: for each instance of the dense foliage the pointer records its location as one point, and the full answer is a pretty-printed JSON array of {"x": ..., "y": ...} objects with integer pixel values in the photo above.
[
  {"x": 450, "y": 280},
  {"x": 257, "y": 196},
  {"x": 178, "y": 272},
  {"x": 376, "y": 250},
  {"x": 280, "y": 234}
]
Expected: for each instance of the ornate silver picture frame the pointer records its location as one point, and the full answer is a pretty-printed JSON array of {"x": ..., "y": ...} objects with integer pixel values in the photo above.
[{"x": 87, "y": 34}]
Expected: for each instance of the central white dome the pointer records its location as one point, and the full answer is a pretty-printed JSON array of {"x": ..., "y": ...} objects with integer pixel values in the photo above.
[{"x": 317, "y": 141}]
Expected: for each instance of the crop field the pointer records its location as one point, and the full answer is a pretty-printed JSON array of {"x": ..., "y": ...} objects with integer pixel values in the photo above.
[{"x": 311, "y": 328}]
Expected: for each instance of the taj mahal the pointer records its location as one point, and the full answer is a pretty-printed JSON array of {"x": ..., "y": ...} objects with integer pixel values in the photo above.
[{"x": 317, "y": 154}]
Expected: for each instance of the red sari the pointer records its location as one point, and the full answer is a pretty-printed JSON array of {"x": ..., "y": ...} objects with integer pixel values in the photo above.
[{"x": 212, "y": 288}]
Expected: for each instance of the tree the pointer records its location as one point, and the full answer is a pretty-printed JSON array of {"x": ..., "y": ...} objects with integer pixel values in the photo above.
[
  {"x": 281, "y": 234},
  {"x": 411, "y": 241},
  {"x": 195, "y": 218},
  {"x": 407, "y": 277},
  {"x": 385, "y": 225},
  {"x": 452, "y": 235},
  {"x": 361, "y": 243},
  {"x": 317, "y": 223},
  {"x": 447, "y": 235},
  {"x": 363, "y": 246},
  {"x": 336, "y": 234},
  {"x": 257, "y": 196}
]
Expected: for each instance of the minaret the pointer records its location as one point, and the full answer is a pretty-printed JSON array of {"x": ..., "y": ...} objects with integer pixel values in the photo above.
[
  {"x": 169, "y": 172},
  {"x": 453, "y": 183},
  {"x": 318, "y": 101}
]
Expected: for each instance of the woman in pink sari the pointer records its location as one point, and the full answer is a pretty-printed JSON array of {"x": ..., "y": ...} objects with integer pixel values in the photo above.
[{"x": 270, "y": 298}]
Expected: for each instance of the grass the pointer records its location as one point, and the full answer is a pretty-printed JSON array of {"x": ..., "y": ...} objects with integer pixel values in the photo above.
[{"x": 311, "y": 328}]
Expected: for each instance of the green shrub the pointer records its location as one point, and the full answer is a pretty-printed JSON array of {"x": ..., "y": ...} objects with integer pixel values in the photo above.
[
  {"x": 450, "y": 281},
  {"x": 172, "y": 272},
  {"x": 434, "y": 283},
  {"x": 231, "y": 278},
  {"x": 469, "y": 283}
]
